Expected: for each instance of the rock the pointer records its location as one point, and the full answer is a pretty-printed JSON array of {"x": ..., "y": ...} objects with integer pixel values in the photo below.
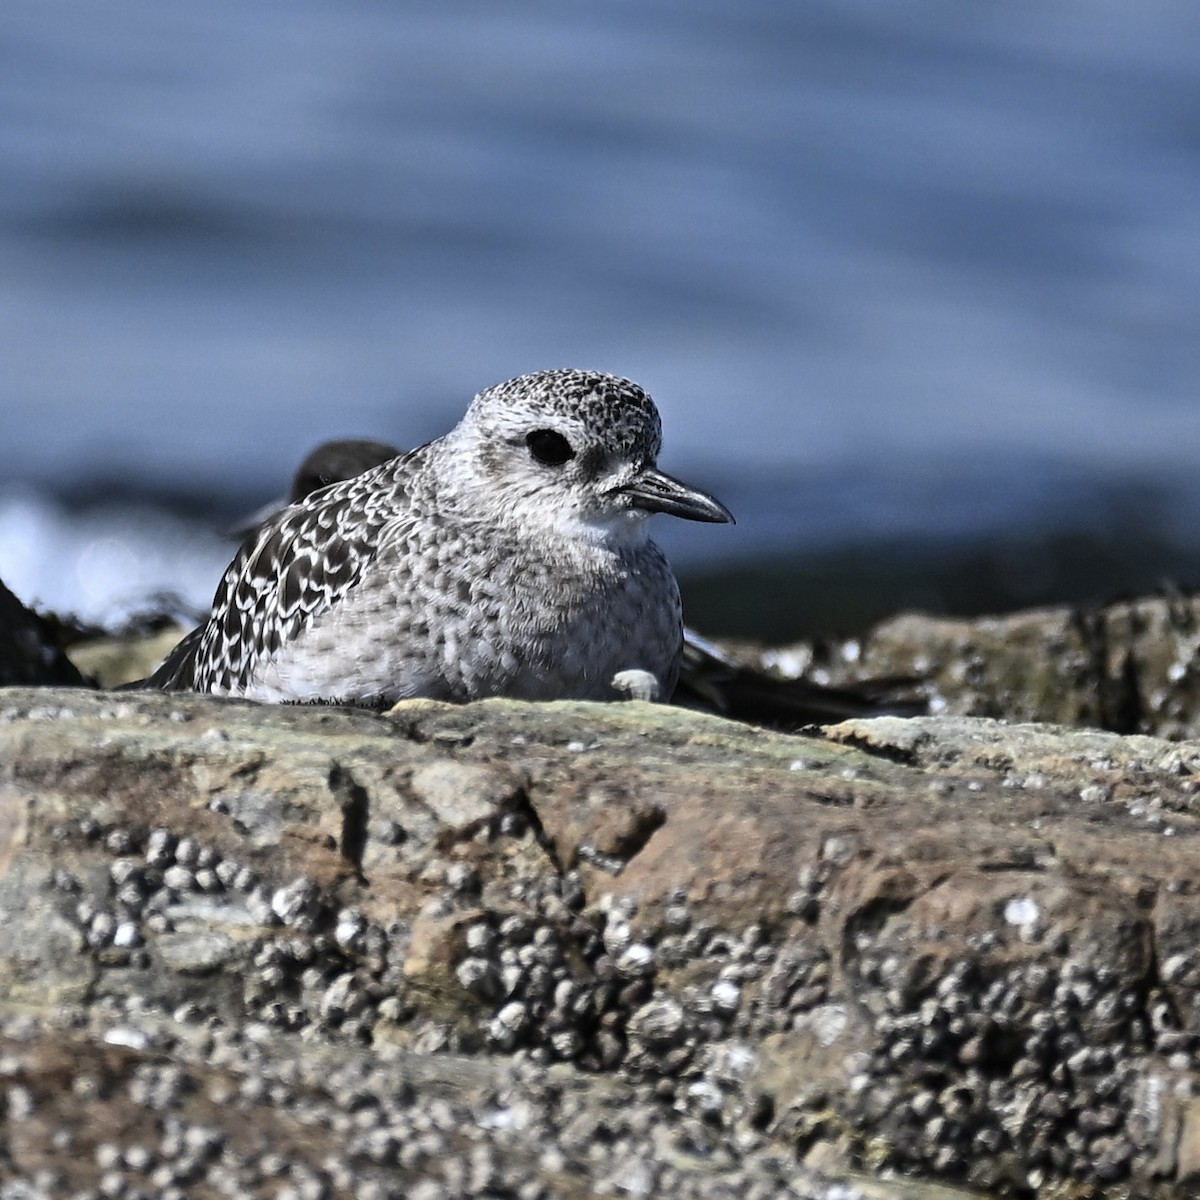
[
  {"x": 1128, "y": 666},
  {"x": 29, "y": 650},
  {"x": 553, "y": 950}
]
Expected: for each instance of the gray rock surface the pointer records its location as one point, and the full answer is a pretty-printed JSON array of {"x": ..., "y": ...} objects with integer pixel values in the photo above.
[{"x": 570, "y": 950}]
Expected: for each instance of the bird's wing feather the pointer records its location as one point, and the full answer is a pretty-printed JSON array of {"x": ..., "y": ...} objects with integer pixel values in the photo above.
[{"x": 300, "y": 564}]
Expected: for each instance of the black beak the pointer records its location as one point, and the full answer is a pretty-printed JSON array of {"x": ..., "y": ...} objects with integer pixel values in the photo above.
[{"x": 654, "y": 491}]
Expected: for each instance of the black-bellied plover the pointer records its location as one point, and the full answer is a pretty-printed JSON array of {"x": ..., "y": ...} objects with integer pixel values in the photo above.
[
  {"x": 508, "y": 558},
  {"x": 709, "y": 679}
]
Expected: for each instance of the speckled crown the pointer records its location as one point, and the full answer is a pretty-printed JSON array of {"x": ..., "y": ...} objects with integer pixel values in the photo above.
[{"x": 617, "y": 412}]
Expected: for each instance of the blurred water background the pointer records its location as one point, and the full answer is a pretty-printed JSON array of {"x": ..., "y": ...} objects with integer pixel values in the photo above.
[{"x": 915, "y": 285}]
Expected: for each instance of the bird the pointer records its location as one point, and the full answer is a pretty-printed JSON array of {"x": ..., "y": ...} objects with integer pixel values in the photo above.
[
  {"x": 709, "y": 678},
  {"x": 509, "y": 557}
]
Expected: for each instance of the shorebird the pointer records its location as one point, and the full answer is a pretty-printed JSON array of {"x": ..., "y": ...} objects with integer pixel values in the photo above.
[
  {"x": 508, "y": 558},
  {"x": 709, "y": 678}
]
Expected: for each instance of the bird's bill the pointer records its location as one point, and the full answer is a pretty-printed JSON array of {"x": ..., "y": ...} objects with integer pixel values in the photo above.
[{"x": 655, "y": 491}]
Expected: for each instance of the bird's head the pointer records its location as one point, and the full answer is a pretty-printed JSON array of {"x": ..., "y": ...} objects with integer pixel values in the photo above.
[{"x": 575, "y": 451}]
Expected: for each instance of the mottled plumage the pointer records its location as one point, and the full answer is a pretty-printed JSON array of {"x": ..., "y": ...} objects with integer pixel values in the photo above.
[{"x": 509, "y": 557}]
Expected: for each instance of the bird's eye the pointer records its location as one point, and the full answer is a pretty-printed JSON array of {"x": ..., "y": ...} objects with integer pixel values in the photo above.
[{"x": 549, "y": 447}]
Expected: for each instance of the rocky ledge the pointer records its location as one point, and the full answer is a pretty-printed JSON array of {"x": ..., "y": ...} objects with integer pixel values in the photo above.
[{"x": 566, "y": 950}]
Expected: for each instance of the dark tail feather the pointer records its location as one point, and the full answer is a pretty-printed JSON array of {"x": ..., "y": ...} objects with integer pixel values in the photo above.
[{"x": 710, "y": 681}]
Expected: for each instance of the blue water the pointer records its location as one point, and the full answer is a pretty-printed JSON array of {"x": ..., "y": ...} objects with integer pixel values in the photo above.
[{"x": 940, "y": 259}]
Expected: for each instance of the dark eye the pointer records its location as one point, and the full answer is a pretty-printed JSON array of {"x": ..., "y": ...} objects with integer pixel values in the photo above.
[{"x": 549, "y": 447}]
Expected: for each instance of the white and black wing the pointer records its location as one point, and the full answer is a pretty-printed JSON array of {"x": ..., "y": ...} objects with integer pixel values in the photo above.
[{"x": 301, "y": 563}]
